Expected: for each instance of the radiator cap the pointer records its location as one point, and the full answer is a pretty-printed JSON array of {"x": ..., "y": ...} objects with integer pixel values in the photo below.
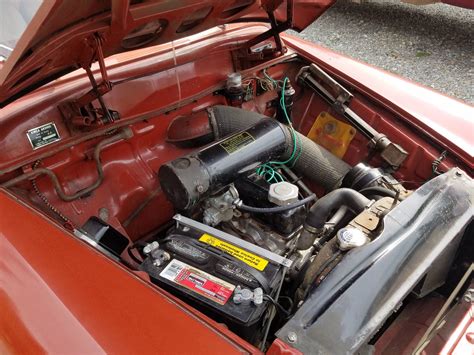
[{"x": 349, "y": 238}]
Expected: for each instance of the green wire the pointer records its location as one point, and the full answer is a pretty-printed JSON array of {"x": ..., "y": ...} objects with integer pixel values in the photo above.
[
  {"x": 299, "y": 153},
  {"x": 267, "y": 169},
  {"x": 270, "y": 173}
]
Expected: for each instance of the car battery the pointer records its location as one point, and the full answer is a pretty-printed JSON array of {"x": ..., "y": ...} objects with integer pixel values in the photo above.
[{"x": 207, "y": 272}]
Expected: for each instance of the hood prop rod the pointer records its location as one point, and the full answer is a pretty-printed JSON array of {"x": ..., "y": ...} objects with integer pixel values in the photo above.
[
  {"x": 80, "y": 113},
  {"x": 98, "y": 90},
  {"x": 257, "y": 54},
  {"x": 275, "y": 29}
]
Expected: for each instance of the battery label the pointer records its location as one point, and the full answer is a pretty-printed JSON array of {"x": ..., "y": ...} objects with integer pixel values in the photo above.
[
  {"x": 43, "y": 135},
  {"x": 253, "y": 260},
  {"x": 234, "y": 143},
  {"x": 198, "y": 281}
]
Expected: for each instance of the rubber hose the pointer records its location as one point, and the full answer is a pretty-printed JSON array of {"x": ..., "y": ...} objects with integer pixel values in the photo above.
[
  {"x": 333, "y": 224},
  {"x": 338, "y": 216},
  {"x": 277, "y": 209},
  {"x": 320, "y": 211},
  {"x": 315, "y": 162},
  {"x": 380, "y": 191}
]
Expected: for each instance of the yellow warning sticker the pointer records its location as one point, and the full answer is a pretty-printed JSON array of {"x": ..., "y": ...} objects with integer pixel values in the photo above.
[
  {"x": 236, "y": 142},
  {"x": 253, "y": 260}
]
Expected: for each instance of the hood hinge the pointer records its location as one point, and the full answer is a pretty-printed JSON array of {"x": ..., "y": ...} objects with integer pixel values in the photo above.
[
  {"x": 248, "y": 55},
  {"x": 81, "y": 114}
]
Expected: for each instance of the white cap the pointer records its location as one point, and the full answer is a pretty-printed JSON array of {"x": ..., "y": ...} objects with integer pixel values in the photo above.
[
  {"x": 350, "y": 238},
  {"x": 283, "y": 193}
]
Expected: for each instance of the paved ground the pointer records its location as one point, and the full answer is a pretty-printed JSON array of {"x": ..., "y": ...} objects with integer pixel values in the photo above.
[{"x": 432, "y": 44}]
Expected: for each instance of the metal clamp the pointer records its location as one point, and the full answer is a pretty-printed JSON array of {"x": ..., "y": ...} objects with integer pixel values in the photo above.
[{"x": 267, "y": 254}]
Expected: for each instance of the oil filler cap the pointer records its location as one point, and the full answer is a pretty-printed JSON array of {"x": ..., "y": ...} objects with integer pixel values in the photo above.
[
  {"x": 349, "y": 238},
  {"x": 283, "y": 193}
]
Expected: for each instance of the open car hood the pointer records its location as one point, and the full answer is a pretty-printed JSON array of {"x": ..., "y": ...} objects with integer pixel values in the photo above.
[{"x": 66, "y": 35}]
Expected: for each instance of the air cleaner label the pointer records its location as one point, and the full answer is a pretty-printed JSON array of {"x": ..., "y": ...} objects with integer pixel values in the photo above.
[
  {"x": 253, "y": 260},
  {"x": 198, "y": 281},
  {"x": 236, "y": 142},
  {"x": 43, "y": 135}
]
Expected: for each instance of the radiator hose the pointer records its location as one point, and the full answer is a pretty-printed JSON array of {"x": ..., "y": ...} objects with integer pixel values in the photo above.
[
  {"x": 315, "y": 162},
  {"x": 320, "y": 211}
]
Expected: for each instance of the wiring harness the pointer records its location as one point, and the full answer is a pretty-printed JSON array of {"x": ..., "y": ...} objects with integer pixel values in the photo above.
[{"x": 270, "y": 169}]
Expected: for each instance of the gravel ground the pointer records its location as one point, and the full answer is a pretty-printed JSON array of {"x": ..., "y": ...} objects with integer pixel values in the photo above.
[{"x": 431, "y": 44}]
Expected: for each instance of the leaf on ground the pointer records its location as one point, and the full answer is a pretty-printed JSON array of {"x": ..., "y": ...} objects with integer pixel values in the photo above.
[{"x": 421, "y": 54}]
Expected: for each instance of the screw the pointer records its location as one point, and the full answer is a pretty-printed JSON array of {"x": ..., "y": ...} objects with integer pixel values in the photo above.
[
  {"x": 329, "y": 127},
  {"x": 469, "y": 296},
  {"x": 292, "y": 337},
  {"x": 200, "y": 188}
]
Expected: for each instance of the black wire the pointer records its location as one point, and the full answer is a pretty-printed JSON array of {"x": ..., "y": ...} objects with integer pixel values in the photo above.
[
  {"x": 132, "y": 256},
  {"x": 271, "y": 315},
  {"x": 278, "y": 208},
  {"x": 277, "y": 305},
  {"x": 290, "y": 301}
]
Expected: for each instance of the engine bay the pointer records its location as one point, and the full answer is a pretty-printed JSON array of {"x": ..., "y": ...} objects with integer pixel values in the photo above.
[{"x": 245, "y": 200}]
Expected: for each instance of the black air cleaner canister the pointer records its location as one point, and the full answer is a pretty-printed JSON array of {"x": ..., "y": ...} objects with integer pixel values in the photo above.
[{"x": 188, "y": 179}]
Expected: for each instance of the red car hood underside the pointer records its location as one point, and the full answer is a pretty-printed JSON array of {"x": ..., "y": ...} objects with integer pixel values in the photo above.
[{"x": 63, "y": 35}]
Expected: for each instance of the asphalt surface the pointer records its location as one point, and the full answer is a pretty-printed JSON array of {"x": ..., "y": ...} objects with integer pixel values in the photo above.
[{"x": 431, "y": 44}]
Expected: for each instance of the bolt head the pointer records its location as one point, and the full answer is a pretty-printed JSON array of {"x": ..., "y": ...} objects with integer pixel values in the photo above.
[
  {"x": 150, "y": 247},
  {"x": 157, "y": 262},
  {"x": 292, "y": 337},
  {"x": 469, "y": 296}
]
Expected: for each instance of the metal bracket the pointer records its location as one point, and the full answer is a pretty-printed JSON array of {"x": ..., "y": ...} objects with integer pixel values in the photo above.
[
  {"x": 81, "y": 114},
  {"x": 267, "y": 254}
]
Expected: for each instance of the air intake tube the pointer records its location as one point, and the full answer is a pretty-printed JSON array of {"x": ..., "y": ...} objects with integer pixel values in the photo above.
[{"x": 250, "y": 139}]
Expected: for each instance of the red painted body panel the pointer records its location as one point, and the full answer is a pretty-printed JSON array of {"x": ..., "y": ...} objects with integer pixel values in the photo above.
[
  {"x": 468, "y": 4},
  {"x": 461, "y": 340},
  {"x": 404, "y": 334},
  {"x": 60, "y": 296},
  {"x": 156, "y": 86},
  {"x": 63, "y": 36},
  {"x": 102, "y": 306},
  {"x": 448, "y": 121}
]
